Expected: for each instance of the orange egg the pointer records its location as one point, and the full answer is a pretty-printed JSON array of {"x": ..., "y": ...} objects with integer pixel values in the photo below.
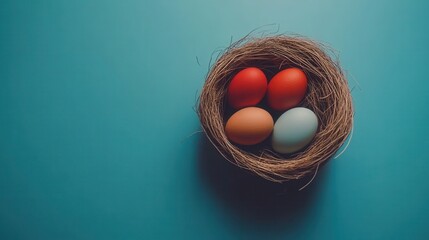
[{"x": 249, "y": 126}]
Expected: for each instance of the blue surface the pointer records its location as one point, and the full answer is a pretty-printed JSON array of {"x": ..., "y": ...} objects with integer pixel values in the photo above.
[{"x": 96, "y": 120}]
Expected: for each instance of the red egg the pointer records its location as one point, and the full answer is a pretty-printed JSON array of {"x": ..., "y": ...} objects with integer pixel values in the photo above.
[
  {"x": 287, "y": 89},
  {"x": 247, "y": 88}
]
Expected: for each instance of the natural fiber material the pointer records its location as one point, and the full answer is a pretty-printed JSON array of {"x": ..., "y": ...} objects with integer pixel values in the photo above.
[{"x": 328, "y": 95}]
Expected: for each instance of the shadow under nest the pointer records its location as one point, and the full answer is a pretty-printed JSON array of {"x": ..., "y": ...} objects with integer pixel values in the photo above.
[{"x": 249, "y": 196}]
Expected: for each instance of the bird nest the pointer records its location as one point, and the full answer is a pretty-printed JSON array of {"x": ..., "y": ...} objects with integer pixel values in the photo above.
[{"x": 328, "y": 96}]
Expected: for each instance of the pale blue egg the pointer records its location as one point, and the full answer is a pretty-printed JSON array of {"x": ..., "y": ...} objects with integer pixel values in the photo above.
[{"x": 294, "y": 130}]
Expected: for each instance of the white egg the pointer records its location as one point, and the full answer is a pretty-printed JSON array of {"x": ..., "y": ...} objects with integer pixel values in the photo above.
[{"x": 294, "y": 130}]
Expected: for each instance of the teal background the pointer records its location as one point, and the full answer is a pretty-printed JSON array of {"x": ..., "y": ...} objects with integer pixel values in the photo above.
[{"x": 97, "y": 123}]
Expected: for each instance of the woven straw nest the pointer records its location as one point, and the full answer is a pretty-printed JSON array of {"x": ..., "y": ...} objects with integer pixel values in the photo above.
[{"x": 328, "y": 96}]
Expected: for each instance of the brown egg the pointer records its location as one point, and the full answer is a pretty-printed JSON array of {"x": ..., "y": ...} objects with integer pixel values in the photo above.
[{"x": 249, "y": 126}]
